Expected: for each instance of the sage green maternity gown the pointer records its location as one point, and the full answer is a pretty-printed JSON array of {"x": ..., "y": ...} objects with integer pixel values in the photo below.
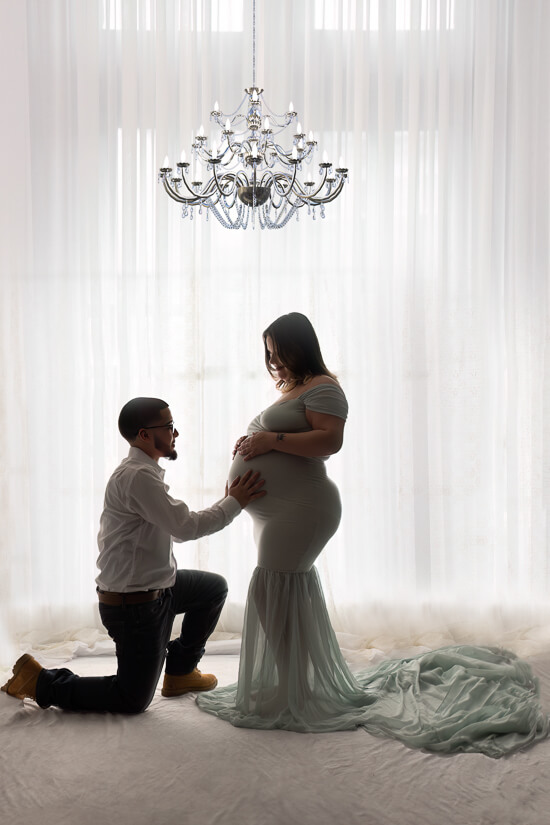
[{"x": 292, "y": 674}]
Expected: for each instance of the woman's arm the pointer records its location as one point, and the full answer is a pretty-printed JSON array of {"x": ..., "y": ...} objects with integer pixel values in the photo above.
[{"x": 324, "y": 438}]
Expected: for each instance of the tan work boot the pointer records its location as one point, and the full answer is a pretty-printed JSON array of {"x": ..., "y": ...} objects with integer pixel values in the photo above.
[
  {"x": 22, "y": 684},
  {"x": 191, "y": 682}
]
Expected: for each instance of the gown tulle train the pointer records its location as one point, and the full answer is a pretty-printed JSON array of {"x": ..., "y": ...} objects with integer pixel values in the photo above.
[{"x": 292, "y": 674}]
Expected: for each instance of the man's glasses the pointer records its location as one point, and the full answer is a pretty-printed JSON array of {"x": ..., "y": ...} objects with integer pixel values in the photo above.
[{"x": 169, "y": 426}]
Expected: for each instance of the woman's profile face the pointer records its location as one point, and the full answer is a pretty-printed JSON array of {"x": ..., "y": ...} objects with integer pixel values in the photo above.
[{"x": 280, "y": 372}]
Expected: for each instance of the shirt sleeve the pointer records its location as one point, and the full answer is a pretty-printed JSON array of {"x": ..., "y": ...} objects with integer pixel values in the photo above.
[
  {"x": 328, "y": 399},
  {"x": 148, "y": 497}
]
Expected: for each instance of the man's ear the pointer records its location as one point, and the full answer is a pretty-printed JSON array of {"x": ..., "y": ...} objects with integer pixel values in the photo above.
[{"x": 142, "y": 435}]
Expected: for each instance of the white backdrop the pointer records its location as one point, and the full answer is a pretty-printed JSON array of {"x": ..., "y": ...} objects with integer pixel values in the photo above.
[{"x": 427, "y": 283}]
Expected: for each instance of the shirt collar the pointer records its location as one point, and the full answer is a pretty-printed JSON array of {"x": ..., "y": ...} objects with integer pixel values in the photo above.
[{"x": 139, "y": 455}]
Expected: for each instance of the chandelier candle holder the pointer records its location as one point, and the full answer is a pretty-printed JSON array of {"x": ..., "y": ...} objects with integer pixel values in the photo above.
[{"x": 251, "y": 178}]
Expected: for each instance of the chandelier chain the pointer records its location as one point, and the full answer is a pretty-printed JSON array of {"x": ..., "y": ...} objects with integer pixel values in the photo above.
[{"x": 253, "y": 42}]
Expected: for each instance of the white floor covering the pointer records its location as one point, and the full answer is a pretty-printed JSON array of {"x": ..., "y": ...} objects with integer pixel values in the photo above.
[{"x": 175, "y": 764}]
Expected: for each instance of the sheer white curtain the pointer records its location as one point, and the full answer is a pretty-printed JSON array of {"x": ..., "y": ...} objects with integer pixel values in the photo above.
[{"x": 427, "y": 283}]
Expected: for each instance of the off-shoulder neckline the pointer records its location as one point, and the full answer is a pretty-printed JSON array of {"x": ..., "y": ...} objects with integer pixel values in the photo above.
[{"x": 317, "y": 386}]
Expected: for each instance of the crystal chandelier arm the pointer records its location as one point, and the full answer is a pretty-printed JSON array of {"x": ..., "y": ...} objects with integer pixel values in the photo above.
[
  {"x": 312, "y": 196},
  {"x": 174, "y": 194},
  {"x": 294, "y": 199},
  {"x": 209, "y": 158},
  {"x": 235, "y": 148},
  {"x": 288, "y": 116},
  {"x": 306, "y": 153},
  {"x": 226, "y": 178},
  {"x": 195, "y": 198},
  {"x": 209, "y": 190},
  {"x": 226, "y": 196},
  {"x": 279, "y": 127},
  {"x": 218, "y": 117},
  {"x": 236, "y": 121},
  {"x": 290, "y": 190},
  {"x": 332, "y": 196},
  {"x": 203, "y": 154},
  {"x": 284, "y": 183},
  {"x": 314, "y": 199},
  {"x": 267, "y": 178},
  {"x": 284, "y": 157},
  {"x": 294, "y": 187},
  {"x": 194, "y": 195},
  {"x": 226, "y": 155},
  {"x": 291, "y": 182}
]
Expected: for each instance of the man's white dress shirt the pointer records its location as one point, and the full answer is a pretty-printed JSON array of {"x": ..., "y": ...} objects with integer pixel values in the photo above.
[{"x": 139, "y": 521}]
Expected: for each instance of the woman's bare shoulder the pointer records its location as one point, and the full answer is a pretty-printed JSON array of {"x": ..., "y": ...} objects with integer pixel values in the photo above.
[{"x": 317, "y": 380}]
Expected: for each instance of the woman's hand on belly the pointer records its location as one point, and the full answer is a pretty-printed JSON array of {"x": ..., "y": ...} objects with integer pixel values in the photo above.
[
  {"x": 256, "y": 444},
  {"x": 238, "y": 443}
]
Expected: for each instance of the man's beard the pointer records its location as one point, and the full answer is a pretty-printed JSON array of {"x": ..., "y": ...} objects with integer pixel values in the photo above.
[{"x": 171, "y": 456}]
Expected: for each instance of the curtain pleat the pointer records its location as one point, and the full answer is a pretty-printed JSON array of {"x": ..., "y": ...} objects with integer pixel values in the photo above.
[{"x": 427, "y": 283}]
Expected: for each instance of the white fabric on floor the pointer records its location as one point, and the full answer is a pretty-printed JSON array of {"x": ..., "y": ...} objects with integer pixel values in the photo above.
[{"x": 175, "y": 764}]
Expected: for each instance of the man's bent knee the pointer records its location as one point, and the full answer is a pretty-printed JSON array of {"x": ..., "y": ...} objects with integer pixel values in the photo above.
[
  {"x": 222, "y": 588},
  {"x": 134, "y": 705}
]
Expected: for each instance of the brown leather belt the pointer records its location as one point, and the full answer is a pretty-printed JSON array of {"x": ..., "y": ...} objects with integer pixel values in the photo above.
[{"x": 121, "y": 599}]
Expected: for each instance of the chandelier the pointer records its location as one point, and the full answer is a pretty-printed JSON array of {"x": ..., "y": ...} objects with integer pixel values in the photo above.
[{"x": 251, "y": 177}]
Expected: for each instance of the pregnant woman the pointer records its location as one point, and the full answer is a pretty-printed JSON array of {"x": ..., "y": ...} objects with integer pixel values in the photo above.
[{"x": 292, "y": 674}]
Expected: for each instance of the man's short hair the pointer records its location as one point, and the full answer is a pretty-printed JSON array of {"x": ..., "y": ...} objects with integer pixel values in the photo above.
[{"x": 139, "y": 413}]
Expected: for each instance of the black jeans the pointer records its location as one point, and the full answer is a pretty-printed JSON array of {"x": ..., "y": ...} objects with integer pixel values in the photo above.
[{"x": 141, "y": 633}]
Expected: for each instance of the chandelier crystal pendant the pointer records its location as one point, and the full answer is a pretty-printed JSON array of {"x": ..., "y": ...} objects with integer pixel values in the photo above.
[{"x": 251, "y": 177}]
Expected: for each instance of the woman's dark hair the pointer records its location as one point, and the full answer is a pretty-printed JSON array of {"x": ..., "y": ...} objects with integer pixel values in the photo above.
[
  {"x": 296, "y": 345},
  {"x": 139, "y": 413}
]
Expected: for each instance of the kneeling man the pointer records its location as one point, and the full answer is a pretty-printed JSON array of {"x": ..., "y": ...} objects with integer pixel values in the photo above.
[{"x": 139, "y": 587}]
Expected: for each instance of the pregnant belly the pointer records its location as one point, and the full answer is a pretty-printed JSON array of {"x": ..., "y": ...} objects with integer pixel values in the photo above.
[
  {"x": 299, "y": 514},
  {"x": 287, "y": 477}
]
